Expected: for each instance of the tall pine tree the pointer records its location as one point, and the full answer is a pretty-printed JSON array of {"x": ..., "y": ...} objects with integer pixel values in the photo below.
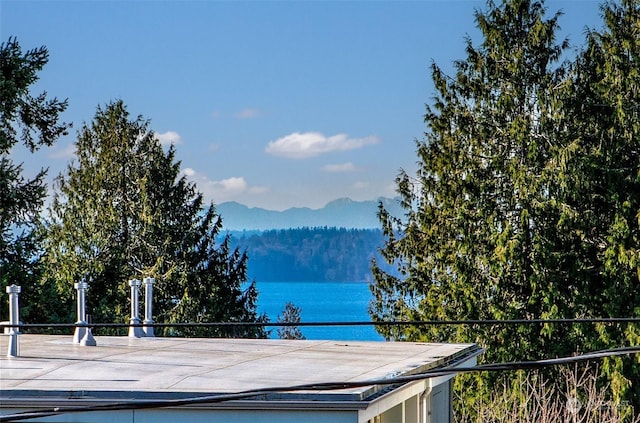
[
  {"x": 525, "y": 202},
  {"x": 469, "y": 245},
  {"x": 600, "y": 182},
  {"x": 33, "y": 122},
  {"x": 123, "y": 211}
]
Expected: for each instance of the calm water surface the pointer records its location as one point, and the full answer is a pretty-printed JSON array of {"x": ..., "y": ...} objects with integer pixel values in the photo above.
[{"x": 321, "y": 302}]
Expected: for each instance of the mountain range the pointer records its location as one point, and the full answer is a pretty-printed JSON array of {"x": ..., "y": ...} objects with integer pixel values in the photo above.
[{"x": 340, "y": 213}]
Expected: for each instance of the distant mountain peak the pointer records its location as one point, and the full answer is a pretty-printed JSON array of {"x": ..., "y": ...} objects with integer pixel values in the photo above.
[
  {"x": 343, "y": 200},
  {"x": 342, "y": 212}
]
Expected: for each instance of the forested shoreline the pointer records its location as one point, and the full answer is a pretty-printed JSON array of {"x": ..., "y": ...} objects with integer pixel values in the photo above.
[{"x": 309, "y": 254}]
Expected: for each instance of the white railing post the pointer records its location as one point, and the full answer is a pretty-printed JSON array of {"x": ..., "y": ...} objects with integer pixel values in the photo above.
[
  {"x": 14, "y": 319},
  {"x": 135, "y": 331},
  {"x": 148, "y": 307},
  {"x": 81, "y": 328}
]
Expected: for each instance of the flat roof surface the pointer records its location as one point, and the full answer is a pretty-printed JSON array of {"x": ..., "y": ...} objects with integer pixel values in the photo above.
[{"x": 205, "y": 366}]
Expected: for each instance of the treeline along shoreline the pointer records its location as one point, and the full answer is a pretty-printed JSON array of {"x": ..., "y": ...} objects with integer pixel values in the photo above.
[{"x": 309, "y": 254}]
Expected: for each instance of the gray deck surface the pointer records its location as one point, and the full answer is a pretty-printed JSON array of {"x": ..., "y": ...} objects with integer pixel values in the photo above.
[{"x": 205, "y": 366}]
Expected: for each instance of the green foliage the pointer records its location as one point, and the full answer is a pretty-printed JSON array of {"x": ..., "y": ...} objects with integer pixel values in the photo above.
[
  {"x": 600, "y": 183},
  {"x": 290, "y": 314},
  {"x": 123, "y": 211},
  {"x": 525, "y": 201},
  {"x": 32, "y": 122},
  {"x": 466, "y": 244}
]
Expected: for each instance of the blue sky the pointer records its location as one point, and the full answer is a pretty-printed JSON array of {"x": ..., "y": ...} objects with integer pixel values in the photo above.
[{"x": 273, "y": 104}]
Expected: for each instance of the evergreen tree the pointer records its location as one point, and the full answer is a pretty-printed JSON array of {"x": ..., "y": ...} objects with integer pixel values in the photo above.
[
  {"x": 122, "y": 211},
  {"x": 469, "y": 247},
  {"x": 525, "y": 202},
  {"x": 33, "y": 122},
  {"x": 290, "y": 314},
  {"x": 600, "y": 182}
]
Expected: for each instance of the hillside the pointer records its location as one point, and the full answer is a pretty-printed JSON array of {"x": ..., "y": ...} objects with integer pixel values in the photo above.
[{"x": 310, "y": 254}]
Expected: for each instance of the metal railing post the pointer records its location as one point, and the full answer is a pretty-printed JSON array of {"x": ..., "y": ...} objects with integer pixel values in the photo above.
[
  {"x": 148, "y": 307},
  {"x": 80, "y": 331},
  {"x": 14, "y": 319},
  {"x": 135, "y": 331}
]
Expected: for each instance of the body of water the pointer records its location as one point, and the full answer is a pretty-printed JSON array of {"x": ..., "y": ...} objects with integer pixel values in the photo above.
[{"x": 321, "y": 302}]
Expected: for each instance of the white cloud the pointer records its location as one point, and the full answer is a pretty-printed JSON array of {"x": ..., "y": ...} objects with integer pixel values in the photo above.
[
  {"x": 340, "y": 167},
  {"x": 222, "y": 190},
  {"x": 169, "y": 137},
  {"x": 248, "y": 114},
  {"x": 233, "y": 185},
  {"x": 308, "y": 144},
  {"x": 65, "y": 153}
]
